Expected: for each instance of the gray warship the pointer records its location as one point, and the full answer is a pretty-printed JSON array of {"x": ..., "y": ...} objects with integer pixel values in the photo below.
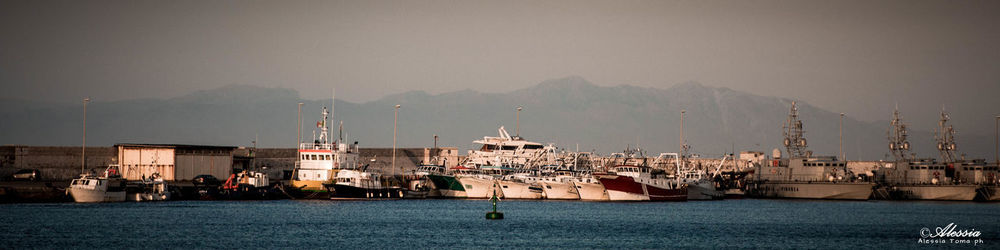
[
  {"x": 802, "y": 175},
  {"x": 912, "y": 178}
]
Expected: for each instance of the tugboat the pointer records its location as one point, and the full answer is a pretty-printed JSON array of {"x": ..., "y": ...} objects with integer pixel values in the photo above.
[
  {"x": 110, "y": 187},
  {"x": 910, "y": 178},
  {"x": 318, "y": 163},
  {"x": 804, "y": 176}
]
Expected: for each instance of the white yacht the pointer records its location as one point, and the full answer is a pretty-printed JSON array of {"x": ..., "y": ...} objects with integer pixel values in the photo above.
[{"x": 109, "y": 187}]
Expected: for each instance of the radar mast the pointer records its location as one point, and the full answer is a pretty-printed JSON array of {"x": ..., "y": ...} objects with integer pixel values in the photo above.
[{"x": 795, "y": 142}]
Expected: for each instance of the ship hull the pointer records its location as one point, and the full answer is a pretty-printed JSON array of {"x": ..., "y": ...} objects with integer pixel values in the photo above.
[
  {"x": 591, "y": 191},
  {"x": 309, "y": 189},
  {"x": 92, "y": 196},
  {"x": 933, "y": 192},
  {"x": 703, "y": 190},
  {"x": 805, "y": 190},
  {"x": 559, "y": 191},
  {"x": 519, "y": 190},
  {"x": 448, "y": 186},
  {"x": 476, "y": 188},
  {"x": 989, "y": 193},
  {"x": 347, "y": 191},
  {"x": 624, "y": 188}
]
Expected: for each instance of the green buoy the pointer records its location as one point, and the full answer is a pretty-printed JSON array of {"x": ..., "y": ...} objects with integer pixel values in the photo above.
[{"x": 494, "y": 215}]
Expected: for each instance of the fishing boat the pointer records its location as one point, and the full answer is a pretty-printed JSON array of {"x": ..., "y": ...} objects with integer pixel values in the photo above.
[
  {"x": 522, "y": 184},
  {"x": 482, "y": 184},
  {"x": 699, "y": 185},
  {"x": 590, "y": 189},
  {"x": 558, "y": 185},
  {"x": 108, "y": 187},
  {"x": 448, "y": 185},
  {"x": 634, "y": 181},
  {"x": 357, "y": 183},
  {"x": 419, "y": 185},
  {"x": 153, "y": 188}
]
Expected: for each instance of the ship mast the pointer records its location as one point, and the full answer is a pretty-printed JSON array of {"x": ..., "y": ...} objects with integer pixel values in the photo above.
[
  {"x": 945, "y": 137},
  {"x": 898, "y": 144},
  {"x": 795, "y": 142},
  {"x": 323, "y": 130}
]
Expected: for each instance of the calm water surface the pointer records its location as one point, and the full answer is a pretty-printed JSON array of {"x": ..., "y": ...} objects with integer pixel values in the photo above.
[{"x": 302, "y": 224}]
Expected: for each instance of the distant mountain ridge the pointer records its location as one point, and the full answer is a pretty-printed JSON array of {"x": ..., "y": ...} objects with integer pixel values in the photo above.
[{"x": 568, "y": 112}]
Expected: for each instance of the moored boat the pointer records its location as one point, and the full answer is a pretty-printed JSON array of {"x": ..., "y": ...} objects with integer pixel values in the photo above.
[
  {"x": 318, "y": 163},
  {"x": 109, "y": 187},
  {"x": 803, "y": 176}
]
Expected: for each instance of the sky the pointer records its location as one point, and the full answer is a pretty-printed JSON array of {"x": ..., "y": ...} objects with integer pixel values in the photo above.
[{"x": 857, "y": 57}]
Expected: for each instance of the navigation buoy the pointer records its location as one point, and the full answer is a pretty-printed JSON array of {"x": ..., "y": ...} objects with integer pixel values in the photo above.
[{"x": 494, "y": 215}]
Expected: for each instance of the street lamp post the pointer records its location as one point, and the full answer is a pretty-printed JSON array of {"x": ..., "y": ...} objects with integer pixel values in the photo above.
[
  {"x": 83, "y": 158},
  {"x": 996, "y": 140},
  {"x": 841, "y": 137},
  {"x": 395, "y": 120},
  {"x": 298, "y": 131},
  {"x": 517, "y": 127}
]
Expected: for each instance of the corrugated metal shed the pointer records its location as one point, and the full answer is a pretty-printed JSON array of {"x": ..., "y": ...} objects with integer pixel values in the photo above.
[{"x": 175, "y": 162}]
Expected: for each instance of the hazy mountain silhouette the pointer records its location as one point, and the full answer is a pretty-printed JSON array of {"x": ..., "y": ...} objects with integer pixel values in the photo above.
[{"x": 567, "y": 112}]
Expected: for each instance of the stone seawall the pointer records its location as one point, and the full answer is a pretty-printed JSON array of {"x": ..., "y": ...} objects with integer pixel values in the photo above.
[{"x": 54, "y": 163}]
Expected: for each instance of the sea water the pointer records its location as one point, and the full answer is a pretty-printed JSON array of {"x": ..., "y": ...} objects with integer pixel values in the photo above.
[{"x": 408, "y": 224}]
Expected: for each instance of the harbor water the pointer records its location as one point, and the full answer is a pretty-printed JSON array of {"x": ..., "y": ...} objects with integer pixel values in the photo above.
[{"x": 303, "y": 224}]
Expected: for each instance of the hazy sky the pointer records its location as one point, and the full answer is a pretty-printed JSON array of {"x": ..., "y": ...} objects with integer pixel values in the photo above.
[{"x": 858, "y": 57}]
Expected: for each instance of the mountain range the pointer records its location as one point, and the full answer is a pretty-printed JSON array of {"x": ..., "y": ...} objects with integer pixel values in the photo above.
[{"x": 568, "y": 112}]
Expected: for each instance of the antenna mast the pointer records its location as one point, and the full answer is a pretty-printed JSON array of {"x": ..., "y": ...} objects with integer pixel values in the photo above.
[
  {"x": 898, "y": 144},
  {"x": 945, "y": 137},
  {"x": 795, "y": 142}
]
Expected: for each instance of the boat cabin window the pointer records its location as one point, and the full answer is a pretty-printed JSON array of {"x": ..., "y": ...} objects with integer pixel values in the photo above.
[
  {"x": 529, "y": 146},
  {"x": 509, "y": 147}
]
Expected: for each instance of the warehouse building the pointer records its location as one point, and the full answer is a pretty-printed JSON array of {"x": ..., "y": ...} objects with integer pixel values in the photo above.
[{"x": 174, "y": 162}]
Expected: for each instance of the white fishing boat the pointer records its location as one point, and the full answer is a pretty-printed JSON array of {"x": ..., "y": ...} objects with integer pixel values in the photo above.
[
  {"x": 559, "y": 186},
  {"x": 522, "y": 184},
  {"x": 590, "y": 189},
  {"x": 109, "y": 187},
  {"x": 479, "y": 186}
]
